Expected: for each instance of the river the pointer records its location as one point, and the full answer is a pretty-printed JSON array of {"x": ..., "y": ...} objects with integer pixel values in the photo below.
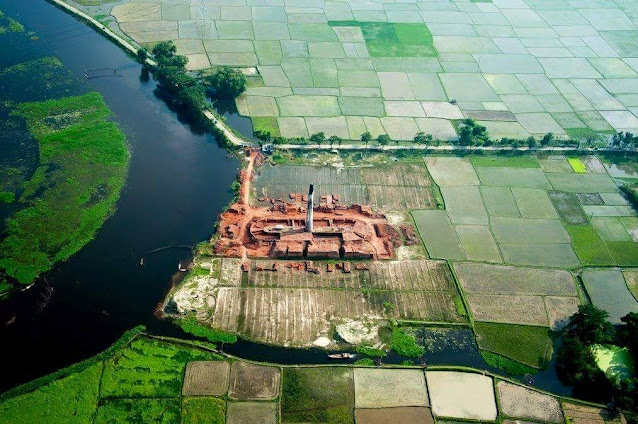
[{"x": 178, "y": 183}]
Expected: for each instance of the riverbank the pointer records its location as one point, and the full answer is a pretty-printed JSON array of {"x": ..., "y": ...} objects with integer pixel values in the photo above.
[
  {"x": 158, "y": 379},
  {"x": 177, "y": 182},
  {"x": 238, "y": 141}
]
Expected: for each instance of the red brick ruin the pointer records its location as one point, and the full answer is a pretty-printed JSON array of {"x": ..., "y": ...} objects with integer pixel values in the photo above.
[{"x": 281, "y": 230}]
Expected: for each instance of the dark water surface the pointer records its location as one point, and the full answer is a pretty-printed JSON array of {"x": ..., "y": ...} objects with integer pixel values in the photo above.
[{"x": 178, "y": 183}]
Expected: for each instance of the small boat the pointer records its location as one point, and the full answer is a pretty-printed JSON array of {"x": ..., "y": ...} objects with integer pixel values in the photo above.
[
  {"x": 344, "y": 355},
  {"x": 180, "y": 268},
  {"x": 142, "y": 262}
]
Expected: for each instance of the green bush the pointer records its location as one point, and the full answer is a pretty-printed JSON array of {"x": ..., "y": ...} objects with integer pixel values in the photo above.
[
  {"x": 368, "y": 350},
  {"x": 405, "y": 344},
  {"x": 508, "y": 365},
  {"x": 192, "y": 326}
]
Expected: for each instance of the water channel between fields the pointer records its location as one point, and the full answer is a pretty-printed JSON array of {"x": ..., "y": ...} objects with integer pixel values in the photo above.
[{"x": 178, "y": 183}]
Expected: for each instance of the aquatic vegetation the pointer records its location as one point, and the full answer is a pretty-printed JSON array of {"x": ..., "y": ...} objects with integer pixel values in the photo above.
[
  {"x": 83, "y": 161},
  {"x": 9, "y": 25},
  {"x": 404, "y": 343}
]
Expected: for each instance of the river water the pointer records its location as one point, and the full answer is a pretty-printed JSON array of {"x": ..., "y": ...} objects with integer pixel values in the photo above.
[{"x": 177, "y": 185}]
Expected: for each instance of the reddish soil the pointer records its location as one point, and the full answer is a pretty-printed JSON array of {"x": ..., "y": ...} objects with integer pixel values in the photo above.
[{"x": 278, "y": 231}]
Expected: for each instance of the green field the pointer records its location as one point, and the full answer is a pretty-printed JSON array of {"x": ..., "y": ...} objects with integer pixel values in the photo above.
[
  {"x": 523, "y": 343},
  {"x": 69, "y": 400},
  {"x": 317, "y": 395},
  {"x": 203, "y": 410},
  {"x": 83, "y": 160},
  {"x": 149, "y": 368},
  {"x": 588, "y": 245}
]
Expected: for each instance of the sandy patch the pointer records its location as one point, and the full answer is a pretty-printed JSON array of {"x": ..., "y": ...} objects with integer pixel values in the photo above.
[
  {"x": 357, "y": 332},
  {"x": 461, "y": 395}
]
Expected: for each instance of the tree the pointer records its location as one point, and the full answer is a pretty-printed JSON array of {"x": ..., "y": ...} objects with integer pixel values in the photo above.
[
  {"x": 227, "y": 83},
  {"x": 590, "y": 326},
  {"x": 334, "y": 139},
  {"x": 422, "y": 138},
  {"x": 627, "y": 334},
  {"x": 465, "y": 137},
  {"x": 263, "y": 135},
  {"x": 142, "y": 54},
  {"x": 318, "y": 138},
  {"x": 384, "y": 139},
  {"x": 366, "y": 137},
  {"x": 164, "y": 49},
  {"x": 547, "y": 139},
  {"x": 531, "y": 142}
]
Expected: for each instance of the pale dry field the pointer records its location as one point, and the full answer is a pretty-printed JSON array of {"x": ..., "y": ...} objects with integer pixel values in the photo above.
[
  {"x": 379, "y": 388},
  {"x": 461, "y": 395}
]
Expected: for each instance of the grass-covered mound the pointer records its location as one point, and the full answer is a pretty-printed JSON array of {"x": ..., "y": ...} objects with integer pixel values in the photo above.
[
  {"x": 526, "y": 344},
  {"x": 83, "y": 161}
]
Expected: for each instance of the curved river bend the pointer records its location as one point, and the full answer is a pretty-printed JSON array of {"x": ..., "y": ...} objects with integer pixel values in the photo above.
[{"x": 178, "y": 183}]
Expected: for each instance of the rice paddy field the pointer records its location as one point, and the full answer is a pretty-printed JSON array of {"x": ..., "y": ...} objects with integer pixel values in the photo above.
[
  {"x": 549, "y": 211},
  {"x": 293, "y": 394},
  {"x": 519, "y": 67}
]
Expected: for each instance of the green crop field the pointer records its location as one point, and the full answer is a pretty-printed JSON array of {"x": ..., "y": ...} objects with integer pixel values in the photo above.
[
  {"x": 148, "y": 368},
  {"x": 526, "y": 344},
  {"x": 317, "y": 395},
  {"x": 69, "y": 400}
]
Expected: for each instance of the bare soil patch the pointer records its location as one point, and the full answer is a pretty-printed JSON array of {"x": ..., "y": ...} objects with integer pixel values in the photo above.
[
  {"x": 206, "y": 378},
  {"x": 521, "y": 402},
  {"x": 379, "y": 388},
  {"x": 248, "y": 381},
  {"x": 582, "y": 414},
  {"x": 412, "y": 415}
]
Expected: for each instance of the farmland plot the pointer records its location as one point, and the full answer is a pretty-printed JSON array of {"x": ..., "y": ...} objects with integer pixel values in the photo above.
[
  {"x": 249, "y": 381},
  {"x": 379, "y": 388},
  {"x": 497, "y": 279},
  {"x": 296, "y": 307},
  {"x": 608, "y": 291},
  {"x": 206, "y": 378},
  {"x": 518, "y": 295},
  {"x": 521, "y": 402},
  {"x": 396, "y": 187},
  {"x": 461, "y": 395},
  {"x": 412, "y": 415}
]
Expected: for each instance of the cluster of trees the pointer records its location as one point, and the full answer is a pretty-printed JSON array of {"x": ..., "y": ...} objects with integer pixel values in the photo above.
[
  {"x": 624, "y": 139},
  {"x": 471, "y": 134},
  {"x": 175, "y": 86},
  {"x": 576, "y": 365},
  {"x": 186, "y": 94},
  {"x": 226, "y": 83}
]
